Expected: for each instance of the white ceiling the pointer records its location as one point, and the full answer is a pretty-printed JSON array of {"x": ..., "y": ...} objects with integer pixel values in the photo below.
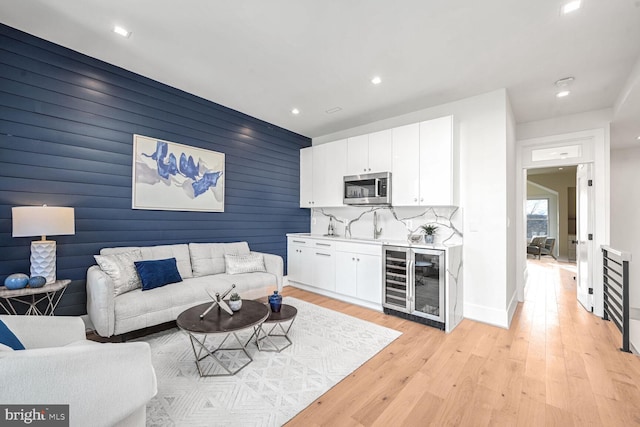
[{"x": 265, "y": 57}]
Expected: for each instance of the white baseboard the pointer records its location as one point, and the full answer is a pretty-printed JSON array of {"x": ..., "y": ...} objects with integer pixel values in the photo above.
[
  {"x": 489, "y": 315},
  {"x": 340, "y": 297}
]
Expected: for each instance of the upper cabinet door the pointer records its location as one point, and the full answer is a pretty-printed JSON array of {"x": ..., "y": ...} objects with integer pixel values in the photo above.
[
  {"x": 329, "y": 169},
  {"x": 380, "y": 151},
  {"x": 406, "y": 165},
  {"x": 306, "y": 177},
  {"x": 436, "y": 162},
  {"x": 358, "y": 155}
]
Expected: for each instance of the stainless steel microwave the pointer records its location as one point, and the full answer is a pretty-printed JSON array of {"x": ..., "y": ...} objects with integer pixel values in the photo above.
[{"x": 368, "y": 189}]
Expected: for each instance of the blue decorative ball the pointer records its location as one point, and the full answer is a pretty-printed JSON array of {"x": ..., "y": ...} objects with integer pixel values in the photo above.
[
  {"x": 37, "y": 282},
  {"x": 16, "y": 281}
]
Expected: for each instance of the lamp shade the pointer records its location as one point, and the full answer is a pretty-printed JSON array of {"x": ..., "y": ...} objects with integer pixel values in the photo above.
[{"x": 42, "y": 221}]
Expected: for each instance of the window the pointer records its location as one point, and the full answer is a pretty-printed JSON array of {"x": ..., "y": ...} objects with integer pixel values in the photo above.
[{"x": 537, "y": 217}]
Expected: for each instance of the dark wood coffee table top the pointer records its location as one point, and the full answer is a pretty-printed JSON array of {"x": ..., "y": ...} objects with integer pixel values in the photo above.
[
  {"x": 287, "y": 312},
  {"x": 218, "y": 321}
]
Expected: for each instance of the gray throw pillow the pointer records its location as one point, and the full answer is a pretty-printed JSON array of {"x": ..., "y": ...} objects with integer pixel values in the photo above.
[
  {"x": 121, "y": 269},
  {"x": 236, "y": 264}
]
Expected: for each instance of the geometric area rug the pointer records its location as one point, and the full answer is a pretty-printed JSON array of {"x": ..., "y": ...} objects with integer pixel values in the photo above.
[{"x": 327, "y": 347}]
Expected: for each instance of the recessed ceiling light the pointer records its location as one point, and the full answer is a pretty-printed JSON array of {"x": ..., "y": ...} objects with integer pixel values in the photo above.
[
  {"x": 295, "y": 111},
  {"x": 376, "y": 80},
  {"x": 572, "y": 6},
  {"x": 562, "y": 93},
  {"x": 638, "y": 138},
  {"x": 121, "y": 31},
  {"x": 333, "y": 110}
]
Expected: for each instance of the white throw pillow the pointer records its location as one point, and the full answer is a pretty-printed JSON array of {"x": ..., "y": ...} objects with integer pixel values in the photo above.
[
  {"x": 236, "y": 264},
  {"x": 121, "y": 270},
  {"x": 208, "y": 258}
]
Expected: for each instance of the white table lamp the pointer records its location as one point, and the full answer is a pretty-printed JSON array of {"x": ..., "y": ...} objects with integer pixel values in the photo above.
[{"x": 43, "y": 221}]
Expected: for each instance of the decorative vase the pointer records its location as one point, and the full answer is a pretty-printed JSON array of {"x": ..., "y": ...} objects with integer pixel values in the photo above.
[
  {"x": 235, "y": 305},
  {"x": 275, "y": 301},
  {"x": 428, "y": 238},
  {"x": 16, "y": 281},
  {"x": 37, "y": 282}
]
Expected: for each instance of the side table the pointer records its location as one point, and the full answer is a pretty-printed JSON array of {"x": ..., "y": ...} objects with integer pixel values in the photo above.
[
  {"x": 51, "y": 293},
  {"x": 277, "y": 322}
]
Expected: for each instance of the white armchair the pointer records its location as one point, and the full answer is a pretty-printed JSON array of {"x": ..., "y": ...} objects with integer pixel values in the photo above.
[{"x": 103, "y": 384}]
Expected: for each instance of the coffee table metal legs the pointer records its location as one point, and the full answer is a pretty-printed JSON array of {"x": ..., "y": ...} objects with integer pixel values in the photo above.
[{"x": 202, "y": 352}]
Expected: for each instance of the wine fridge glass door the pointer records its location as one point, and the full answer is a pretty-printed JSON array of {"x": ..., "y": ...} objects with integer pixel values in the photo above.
[{"x": 429, "y": 270}]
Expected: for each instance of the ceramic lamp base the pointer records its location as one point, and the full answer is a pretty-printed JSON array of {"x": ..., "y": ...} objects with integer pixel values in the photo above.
[{"x": 43, "y": 259}]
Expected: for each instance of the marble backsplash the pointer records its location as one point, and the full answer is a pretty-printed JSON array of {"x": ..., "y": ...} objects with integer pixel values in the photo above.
[{"x": 395, "y": 223}]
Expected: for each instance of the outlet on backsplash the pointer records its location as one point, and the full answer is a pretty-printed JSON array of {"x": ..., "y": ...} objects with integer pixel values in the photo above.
[
  {"x": 409, "y": 224},
  {"x": 314, "y": 221}
]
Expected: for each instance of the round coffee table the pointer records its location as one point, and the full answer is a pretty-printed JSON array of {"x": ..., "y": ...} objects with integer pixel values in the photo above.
[
  {"x": 277, "y": 321},
  {"x": 217, "y": 321}
]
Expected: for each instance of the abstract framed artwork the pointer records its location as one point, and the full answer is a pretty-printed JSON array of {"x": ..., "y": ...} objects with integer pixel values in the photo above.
[{"x": 176, "y": 177}]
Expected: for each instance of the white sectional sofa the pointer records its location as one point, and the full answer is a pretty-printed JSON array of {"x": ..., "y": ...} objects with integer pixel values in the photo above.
[{"x": 202, "y": 267}]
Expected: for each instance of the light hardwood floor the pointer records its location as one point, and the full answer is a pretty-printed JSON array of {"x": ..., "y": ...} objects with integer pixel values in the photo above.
[{"x": 556, "y": 365}]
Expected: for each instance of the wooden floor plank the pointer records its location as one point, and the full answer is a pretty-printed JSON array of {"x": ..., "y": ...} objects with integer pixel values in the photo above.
[{"x": 556, "y": 365}]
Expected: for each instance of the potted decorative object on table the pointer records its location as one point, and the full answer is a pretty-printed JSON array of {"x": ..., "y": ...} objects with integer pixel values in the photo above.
[
  {"x": 429, "y": 232},
  {"x": 235, "y": 302}
]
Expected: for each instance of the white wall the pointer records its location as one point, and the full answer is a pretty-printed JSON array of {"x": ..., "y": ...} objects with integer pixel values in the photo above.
[
  {"x": 480, "y": 126},
  {"x": 512, "y": 245},
  {"x": 625, "y": 224},
  {"x": 564, "y": 124}
]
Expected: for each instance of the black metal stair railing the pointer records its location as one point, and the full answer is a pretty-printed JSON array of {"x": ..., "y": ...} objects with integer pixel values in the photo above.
[{"x": 615, "y": 272}]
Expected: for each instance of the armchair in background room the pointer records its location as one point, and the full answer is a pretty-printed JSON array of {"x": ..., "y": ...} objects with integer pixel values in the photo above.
[{"x": 541, "y": 245}]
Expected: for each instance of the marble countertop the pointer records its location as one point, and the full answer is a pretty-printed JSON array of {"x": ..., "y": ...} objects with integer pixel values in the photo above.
[{"x": 381, "y": 241}]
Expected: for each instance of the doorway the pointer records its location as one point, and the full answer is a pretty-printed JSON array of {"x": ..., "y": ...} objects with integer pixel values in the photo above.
[
  {"x": 551, "y": 208},
  {"x": 562, "y": 151}
]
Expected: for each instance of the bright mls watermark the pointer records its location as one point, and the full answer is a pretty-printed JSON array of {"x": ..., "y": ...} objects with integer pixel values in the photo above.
[{"x": 34, "y": 415}]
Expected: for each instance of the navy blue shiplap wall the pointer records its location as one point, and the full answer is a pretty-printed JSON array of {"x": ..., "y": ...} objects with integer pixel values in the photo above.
[{"x": 66, "y": 139}]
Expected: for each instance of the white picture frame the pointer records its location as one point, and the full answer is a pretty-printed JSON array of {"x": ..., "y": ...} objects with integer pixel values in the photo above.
[{"x": 176, "y": 177}]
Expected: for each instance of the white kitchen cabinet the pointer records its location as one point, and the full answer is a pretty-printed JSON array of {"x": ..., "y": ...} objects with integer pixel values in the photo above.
[
  {"x": 359, "y": 271},
  {"x": 405, "y": 169},
  {"x": 324, "y": 267},
  {"x": 339, "y": 268},
  {"x": 299, "y": 260},
  {"x": 357, "y": 155},
  {"x": 346, "y": 273},
  {"x": 369, "y": 153},
  {"x": 322, "y": 169},
  {"x": 306, "y": 177},
  {"x": 437, "y": 180},
  {"x": 369, "y": 280},
  {"x": 423, "y": 167},
  {"x": 380, "y": 151}
]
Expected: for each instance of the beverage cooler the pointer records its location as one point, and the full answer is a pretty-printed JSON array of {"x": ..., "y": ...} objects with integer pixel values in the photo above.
[{"x": 414, "y": 284}]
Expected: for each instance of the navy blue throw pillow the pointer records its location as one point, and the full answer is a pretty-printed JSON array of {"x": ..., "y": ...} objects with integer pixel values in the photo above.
[
  {"x": 8, "y": 338},
  {"x": 158, "y": 272}
]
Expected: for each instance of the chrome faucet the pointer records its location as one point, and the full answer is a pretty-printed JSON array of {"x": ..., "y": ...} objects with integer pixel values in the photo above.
[{"x": 376, "y": 231}]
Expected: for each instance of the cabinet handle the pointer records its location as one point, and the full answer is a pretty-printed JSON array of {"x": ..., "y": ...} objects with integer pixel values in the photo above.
[
  {"x": 422, "y": 199},
  {"x": 323, "y": 244},
  {"x": 365, "y": 169},
  {"x": 415, "y": 200},
  {"x": 353, "y": 259},
  {"x": 299, "y": 241},
  {"x": 358, "y": 259},
  {"x": 320, "y": 253}
]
